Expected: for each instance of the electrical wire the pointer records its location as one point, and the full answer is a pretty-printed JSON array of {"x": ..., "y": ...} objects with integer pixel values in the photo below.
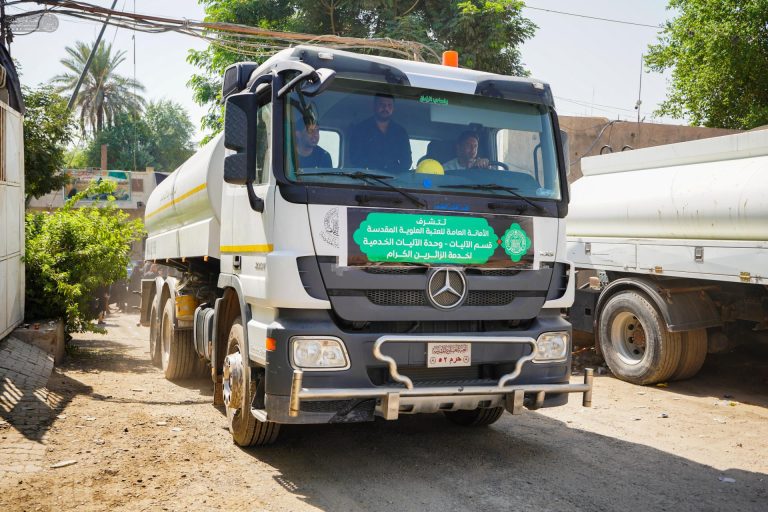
[
  {"x": 245, "y": 40},
  {"x": 597, "y": 18}
]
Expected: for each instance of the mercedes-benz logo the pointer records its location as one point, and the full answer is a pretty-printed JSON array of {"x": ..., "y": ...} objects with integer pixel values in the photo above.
[{"x": 446, "y": 288}]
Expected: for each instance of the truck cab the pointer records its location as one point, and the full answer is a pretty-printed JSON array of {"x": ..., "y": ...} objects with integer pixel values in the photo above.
[{"x": 385, "y": 273}]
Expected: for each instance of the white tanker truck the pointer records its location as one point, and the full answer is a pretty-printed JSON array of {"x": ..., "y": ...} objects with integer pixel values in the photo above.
[
  {"x": 679, "y": 236},
  {"x": 371, "y": 274}
]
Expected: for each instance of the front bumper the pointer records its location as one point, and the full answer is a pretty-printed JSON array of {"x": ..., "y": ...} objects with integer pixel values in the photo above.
[
  {"x": 392, "y": 400},
  {"x": 378, "y": 382}
]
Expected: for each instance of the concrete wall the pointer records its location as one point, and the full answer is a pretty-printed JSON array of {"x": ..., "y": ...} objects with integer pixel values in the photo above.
[{"x": 589, "y": 135}]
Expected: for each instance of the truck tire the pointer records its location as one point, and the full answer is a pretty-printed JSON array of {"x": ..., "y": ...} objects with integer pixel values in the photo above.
[
  {"x": 475, "y": 417},
  {"x": 692, "y": 355},
  {"x": 239, "y": 391},
  {"x": 178, "y": 357},
  {"x": 154, "y": 336},
  {"x": 635, "y": 341}
]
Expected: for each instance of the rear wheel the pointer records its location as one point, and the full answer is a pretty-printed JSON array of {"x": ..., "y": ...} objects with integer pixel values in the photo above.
[
  {"x": 154, "y": 336},
  {"x": 239, "y": 391},
  {"x": 177, "y": 355},
  {"x": 635, "y": 341},
  {"x": 692, "y": 355},
  {"x": 475, "y": 417}
]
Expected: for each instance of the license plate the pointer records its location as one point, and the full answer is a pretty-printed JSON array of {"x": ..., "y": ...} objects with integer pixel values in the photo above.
[{"x": 441, "y": 355}]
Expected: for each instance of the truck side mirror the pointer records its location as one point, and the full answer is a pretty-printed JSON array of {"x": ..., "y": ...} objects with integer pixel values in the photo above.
[{"x": 240, "y": 135}]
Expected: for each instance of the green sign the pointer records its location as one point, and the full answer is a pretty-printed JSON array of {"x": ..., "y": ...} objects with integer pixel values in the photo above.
[
  {"x": 424, "y": 98},
  {"x": 515, "y": 242},
  {"x": 397, "y": 237}
]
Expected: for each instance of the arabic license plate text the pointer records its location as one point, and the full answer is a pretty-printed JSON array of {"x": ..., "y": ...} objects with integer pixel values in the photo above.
[{"x": 440, "y": 355}]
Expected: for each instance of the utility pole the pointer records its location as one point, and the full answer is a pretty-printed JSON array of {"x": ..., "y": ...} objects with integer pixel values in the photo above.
[{"x": 90, "y": 59}]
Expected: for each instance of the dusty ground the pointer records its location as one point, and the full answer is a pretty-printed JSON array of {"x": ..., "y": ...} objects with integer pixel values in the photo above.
[{"x": 143, "y": 443}]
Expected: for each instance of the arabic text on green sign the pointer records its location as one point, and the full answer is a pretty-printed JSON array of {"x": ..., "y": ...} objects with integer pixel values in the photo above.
[{"x": 395, "y": 237}]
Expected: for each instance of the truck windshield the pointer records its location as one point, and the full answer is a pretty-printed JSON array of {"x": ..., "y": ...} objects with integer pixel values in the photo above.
[{"x": 421, "y": 140}]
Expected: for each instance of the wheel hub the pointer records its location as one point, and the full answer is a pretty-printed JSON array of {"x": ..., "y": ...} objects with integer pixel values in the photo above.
[
  {"x": 233, "y": 380},
  {"x": 628, "y": 338}
]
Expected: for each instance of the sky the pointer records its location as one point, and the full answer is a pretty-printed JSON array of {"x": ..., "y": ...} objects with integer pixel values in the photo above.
[{"x": 593, "y": 66}]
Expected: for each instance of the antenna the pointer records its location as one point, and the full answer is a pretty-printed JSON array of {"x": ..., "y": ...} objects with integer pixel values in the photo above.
[
  {"x": 639, "y": 90},
  {"x": 135, "y": 137}
]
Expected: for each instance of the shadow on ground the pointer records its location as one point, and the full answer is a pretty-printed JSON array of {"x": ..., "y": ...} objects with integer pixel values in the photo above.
[
  {"x": 36, "y": 410},
  {"x": 527, "y": 462}
]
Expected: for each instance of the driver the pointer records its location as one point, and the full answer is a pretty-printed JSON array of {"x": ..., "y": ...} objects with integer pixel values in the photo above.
[
  {"x": 306, "y": 137},
  {"x": 466, "y": 153}
]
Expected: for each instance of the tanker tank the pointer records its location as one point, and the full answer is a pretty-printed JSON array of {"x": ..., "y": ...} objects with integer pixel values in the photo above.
[
  {"x": 183, "y": 213},
  {"x": 712, "y": 189}
]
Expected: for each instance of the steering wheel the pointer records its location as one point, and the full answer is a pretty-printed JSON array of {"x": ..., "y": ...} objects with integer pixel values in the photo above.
[{"x": 495, "y": 163}]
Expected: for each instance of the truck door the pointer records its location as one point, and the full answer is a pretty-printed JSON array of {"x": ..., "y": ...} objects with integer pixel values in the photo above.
[{"x": 246, "y": 236}]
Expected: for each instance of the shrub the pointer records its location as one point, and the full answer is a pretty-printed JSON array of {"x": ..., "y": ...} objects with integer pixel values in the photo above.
[{"x": 73, "y": 251}]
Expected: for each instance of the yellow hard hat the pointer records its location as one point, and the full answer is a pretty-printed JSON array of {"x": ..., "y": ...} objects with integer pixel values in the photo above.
[{"x": 430, "y": 166}]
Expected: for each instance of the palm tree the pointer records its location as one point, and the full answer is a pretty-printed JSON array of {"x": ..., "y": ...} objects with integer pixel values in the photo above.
[{"x": 103, "y": 93}]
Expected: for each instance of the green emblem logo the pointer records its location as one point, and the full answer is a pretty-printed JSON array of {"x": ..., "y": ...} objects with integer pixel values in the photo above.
[{"x": 515, "y": 242}]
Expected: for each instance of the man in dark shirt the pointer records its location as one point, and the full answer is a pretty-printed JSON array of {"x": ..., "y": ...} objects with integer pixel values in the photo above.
[
  {"x": 310, "y": 154},
  {"x": 379, "y": 142}
]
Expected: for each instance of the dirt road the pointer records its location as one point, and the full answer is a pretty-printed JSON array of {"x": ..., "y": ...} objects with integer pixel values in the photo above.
[{"x": 143, "y": 443}]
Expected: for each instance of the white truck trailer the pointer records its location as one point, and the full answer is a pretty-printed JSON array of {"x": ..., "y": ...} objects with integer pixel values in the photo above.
[
  {"x": 679, "y": 235},
  {"x": 366, "y": 278},
  {"x": 11, "y": 198}
]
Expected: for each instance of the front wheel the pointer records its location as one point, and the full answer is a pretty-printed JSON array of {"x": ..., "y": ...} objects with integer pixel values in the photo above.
[
  {"x": 239, "y": 391},
  {"x": 475, "y": 417},
  {"x": 635, "y": 341}
]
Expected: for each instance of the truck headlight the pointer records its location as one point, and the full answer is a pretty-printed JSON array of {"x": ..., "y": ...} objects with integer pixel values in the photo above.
[
  {"x": 551, "y": 347},
  {"x": 318, "y": 353}
]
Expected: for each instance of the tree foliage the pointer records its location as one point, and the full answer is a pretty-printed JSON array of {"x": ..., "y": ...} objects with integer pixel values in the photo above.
[
  {"x": 486, "y": 33},
  {"x": 47, "y": 131},
  {"x": 718, "y": 53},
  {"x": 71, "y": 252},
  {"x": 171, "y": 133},
  {"x": 161, "y": 138},
  {"x": 104, "y": 93}
]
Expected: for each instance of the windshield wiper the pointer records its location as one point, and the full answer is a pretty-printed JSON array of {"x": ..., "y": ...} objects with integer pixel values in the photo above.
[
  {"x": 368, "y": 178},
  {"x": 493, "y": 186}
]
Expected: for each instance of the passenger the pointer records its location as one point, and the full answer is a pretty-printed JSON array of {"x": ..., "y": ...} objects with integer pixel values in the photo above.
[
  {"x": 379, "y": 142},
  {"x": 306, "y": 137},
  {"x": 466, "y": 153}
]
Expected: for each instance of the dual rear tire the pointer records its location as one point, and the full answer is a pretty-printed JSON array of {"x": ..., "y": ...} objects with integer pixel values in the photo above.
[
  {"x": 638, "y": 347},
  {"x": 171, "y": 348}
]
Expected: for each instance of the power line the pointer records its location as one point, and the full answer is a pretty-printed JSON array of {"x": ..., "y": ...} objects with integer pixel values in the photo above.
[
  {"x": 623, "y": 22},
  {"x": 589, "y": 104}
]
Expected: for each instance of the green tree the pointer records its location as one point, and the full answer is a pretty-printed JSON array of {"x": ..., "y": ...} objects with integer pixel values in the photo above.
[
  {"x": 718, "y": 53},
  {"x": 104, "y": 93},
  {"x": 171, "y": 131},
  {"x": 71, "y": 252},
  {"x": 486, "y": 33},
  {"x": 48, "y": 129},
  {"x": 128, "y": 144},
  {"x": 161, "y": 138}
]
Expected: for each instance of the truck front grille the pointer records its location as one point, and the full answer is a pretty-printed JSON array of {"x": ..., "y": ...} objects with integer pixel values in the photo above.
[{"x": 419, "y": 298}]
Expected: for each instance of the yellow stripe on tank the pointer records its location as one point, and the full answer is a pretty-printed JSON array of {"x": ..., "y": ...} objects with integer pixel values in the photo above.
[
  {"x": 176, "y": 200},
  {"x": 246, "y": 248}
]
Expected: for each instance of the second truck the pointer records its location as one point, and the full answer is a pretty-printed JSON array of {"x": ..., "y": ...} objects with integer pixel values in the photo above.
[{"x": 396, "y": 271}]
